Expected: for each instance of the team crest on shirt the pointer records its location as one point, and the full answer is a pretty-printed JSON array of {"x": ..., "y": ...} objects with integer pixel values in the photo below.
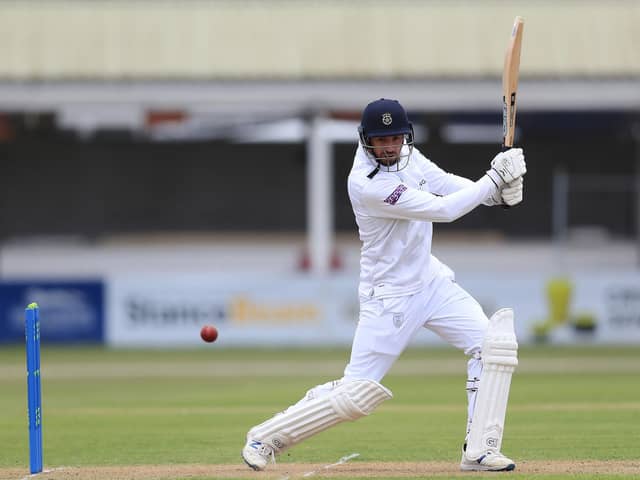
[
  {"x": 422, "y": 183},
  {"x": 398, "y": 319},
  {"x": 387, "y": 119}
]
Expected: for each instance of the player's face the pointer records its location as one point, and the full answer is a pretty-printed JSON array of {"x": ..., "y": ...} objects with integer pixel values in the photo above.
[{"x": 387, "y": 149}]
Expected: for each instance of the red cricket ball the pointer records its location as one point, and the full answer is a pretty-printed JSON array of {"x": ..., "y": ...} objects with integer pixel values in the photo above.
[{"x": 209, "y": 333}]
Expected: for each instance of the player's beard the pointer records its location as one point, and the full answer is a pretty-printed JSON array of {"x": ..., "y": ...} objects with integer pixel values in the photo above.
[
  {"x": 389, "y": 160},
  {"x": 392, "y": 160}
]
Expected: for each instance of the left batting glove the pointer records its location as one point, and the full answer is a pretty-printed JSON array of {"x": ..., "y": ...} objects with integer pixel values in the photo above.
[{"x": 511, "y": 193}]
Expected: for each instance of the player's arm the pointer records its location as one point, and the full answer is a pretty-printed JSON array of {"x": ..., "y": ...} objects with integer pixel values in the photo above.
[
  {"x": 391, "y": 199},
  {"x": 445, "y": 183},
  {"x": 388, "y": 198},
  {"x": 441, "y": 182}
]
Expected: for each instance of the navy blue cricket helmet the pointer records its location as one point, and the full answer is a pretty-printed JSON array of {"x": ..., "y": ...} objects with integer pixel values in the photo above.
[{"x": 384, "y": 118}]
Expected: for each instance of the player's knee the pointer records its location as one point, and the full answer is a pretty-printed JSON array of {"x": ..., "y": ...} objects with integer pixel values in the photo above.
[
  {"x": 353, "y": 398},
  {"x": 360, "y": 397},
  {"x": 320, "y": 391}
]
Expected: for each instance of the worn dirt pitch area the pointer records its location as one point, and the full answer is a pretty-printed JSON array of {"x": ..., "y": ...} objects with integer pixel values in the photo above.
[{"x": 299, "y": 470}]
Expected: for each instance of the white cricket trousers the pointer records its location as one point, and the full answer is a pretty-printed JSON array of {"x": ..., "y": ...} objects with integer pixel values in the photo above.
[{"x": 386, "y": 326}]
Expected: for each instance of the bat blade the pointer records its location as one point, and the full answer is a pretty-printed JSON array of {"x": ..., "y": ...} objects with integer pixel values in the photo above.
[{"x": 510, "y": 76}]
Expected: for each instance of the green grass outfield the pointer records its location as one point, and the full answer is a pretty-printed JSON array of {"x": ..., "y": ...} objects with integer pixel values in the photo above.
[{"x": 573, "y": 413}]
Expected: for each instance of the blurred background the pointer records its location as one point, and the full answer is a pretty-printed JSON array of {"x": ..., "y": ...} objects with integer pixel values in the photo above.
[{"x": 168, "y": 164}]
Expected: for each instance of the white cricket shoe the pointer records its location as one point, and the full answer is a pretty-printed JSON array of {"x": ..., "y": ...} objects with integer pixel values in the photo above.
[
  {"x": 488, "y": 462},
  {"x": 257, "y": 454}
]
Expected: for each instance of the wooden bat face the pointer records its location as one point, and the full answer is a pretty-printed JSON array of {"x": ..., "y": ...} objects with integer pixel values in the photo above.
[{"x": 510, "y": 83}]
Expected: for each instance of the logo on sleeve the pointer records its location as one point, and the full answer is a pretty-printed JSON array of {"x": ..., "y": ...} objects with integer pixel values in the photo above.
[{"x": 395, "y": 195}]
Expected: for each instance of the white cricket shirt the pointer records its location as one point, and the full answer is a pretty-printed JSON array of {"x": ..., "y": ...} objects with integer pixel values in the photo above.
[{"x": 394, "y": 212}]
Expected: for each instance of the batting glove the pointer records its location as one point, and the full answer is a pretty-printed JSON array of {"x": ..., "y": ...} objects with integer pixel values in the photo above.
[
  {"x": 511, "y": 194},
  {"x": 507, "y": 167}
]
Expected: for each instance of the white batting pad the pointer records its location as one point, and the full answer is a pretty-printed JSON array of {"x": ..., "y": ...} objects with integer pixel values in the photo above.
[
  {"x": 348, "y": 401},
  {"x": 500, "y": 358}
]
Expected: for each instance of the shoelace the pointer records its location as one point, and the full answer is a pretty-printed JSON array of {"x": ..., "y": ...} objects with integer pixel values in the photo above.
[
  {"x": 493, "y": 454},
  {"x": 266, "y": 450},
  {"x": 496, "y": 454}
]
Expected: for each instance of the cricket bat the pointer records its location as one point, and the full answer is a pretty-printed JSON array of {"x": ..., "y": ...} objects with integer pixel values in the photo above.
[{"x": 510, "y": 84}]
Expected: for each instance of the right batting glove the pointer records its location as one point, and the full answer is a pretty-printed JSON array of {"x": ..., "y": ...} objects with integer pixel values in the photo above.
[{"x": 511, "y": 194}]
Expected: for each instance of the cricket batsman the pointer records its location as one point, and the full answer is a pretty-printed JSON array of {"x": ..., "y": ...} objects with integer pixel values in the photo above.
[{"x": 397, "y": 194}]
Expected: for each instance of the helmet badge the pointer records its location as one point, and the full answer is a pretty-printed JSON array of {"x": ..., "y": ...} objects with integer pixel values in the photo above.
[{"x": 386, "y": 119}]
